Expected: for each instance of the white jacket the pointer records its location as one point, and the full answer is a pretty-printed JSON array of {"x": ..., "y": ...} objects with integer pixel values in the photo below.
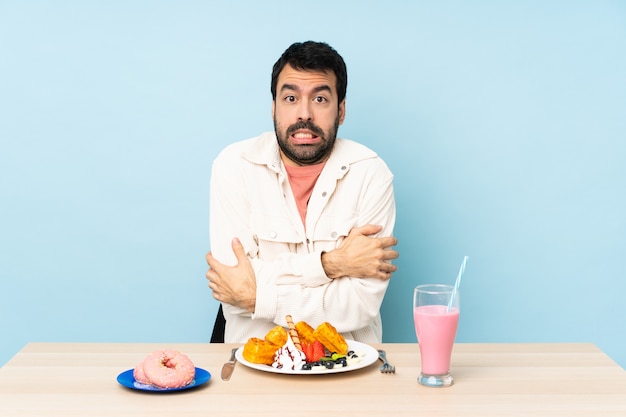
[{"x": 251, "y": 199}]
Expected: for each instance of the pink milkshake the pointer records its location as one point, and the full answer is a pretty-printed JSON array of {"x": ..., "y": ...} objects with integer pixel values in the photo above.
[
  {"x": 436, "y": 310},
  {"x": 436, "y": 329}
]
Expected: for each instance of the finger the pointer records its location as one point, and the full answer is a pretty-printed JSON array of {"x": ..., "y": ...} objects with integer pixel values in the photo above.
[
  {"x": 388, "y": 242},
  {"x": 239, "y": 251},
  {"x": 368, "y": 229},
  {"x": 210, "y": 260},
  {"x": 383, "y": 275},
  {"x": 211, "y": 275},
  {"x": 389, "y": 270},
  {"x": 390, "y": 254},
  {"x": 213, "y": 286},
  {"x": 386, "y": 266},
  {"x": 214, "y": 264}
]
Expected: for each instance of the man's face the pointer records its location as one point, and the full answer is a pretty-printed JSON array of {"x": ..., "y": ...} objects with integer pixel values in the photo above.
[{"x": 306, "y": 115}]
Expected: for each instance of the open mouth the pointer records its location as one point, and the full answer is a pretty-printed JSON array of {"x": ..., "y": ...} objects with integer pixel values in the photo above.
[{"x": 304, "y": 138}]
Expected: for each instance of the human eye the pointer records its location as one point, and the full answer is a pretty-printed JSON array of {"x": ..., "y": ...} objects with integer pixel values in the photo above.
[
  {"x": 289, "y": 99},
  {"x": 320, "y": 99}
]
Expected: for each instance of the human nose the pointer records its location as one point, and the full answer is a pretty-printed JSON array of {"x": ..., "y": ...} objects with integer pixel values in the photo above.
[{"x": 304, "y": 111}]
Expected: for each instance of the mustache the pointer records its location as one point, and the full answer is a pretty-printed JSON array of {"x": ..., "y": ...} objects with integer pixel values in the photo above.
[{"x": 305, "y": 125}]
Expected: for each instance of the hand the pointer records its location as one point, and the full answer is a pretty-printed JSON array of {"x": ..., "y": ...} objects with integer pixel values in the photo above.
[
  {"x": 235, "y": 285},
  {"x": 362, "y": 256}
]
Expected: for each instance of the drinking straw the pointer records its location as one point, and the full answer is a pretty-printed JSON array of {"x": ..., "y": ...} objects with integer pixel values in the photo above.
[{"x": 457, "y": 283}]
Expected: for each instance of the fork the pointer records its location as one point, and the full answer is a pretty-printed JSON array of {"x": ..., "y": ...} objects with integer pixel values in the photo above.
[{"x": 387, "y": 368}]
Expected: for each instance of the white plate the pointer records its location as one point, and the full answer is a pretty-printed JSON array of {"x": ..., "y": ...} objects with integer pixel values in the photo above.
[{"x": 368, "y": 355}]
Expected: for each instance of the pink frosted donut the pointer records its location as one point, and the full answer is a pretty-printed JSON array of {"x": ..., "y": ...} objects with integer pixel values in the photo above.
[
  {"x": 139, "y": 375},
  {"x": 168, "y": 369}
]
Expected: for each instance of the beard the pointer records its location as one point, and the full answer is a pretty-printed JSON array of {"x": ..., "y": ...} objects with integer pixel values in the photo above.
[{"x": 307, "y": 154}]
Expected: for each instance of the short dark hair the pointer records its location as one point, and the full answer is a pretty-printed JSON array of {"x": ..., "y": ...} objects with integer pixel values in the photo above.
[{"x": 312, "y": 56}]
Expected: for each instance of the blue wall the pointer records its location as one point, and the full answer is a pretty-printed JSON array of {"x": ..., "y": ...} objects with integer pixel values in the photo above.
[{"x": 504, "y": 122}]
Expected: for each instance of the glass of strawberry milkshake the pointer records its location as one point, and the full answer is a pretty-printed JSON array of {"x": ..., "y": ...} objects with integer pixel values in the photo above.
[{"x": 436, "y": 316}]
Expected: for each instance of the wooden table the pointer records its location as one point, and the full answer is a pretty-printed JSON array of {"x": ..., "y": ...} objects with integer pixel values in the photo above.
[{"x": 79, "y": 379}]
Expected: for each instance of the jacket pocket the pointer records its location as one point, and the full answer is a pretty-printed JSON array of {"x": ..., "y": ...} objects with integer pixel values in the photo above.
[
  {"x": 333, "y": 228},
  {"x": 274, "y": 235}
]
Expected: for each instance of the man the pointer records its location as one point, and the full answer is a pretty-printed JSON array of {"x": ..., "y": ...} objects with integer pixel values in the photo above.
[{"x": 301, "y": 222}]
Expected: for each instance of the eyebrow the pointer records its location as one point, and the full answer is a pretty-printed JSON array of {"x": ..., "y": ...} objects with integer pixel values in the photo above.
[{"x": 317, "y": 89}]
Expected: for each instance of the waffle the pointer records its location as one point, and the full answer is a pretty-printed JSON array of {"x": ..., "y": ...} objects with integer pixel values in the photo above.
[
  {"x": 332, "y": 340},
  {"x": 262, "y": 350},
  {"x": 305, "y": 332}
]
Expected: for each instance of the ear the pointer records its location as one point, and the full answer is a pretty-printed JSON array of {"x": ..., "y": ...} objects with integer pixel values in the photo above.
[
  {"x": 342, "y": 111},
  {"x": 273, "y": 109}
]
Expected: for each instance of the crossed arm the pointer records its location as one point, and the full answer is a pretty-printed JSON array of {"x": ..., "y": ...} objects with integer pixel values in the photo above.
[{"x": 360, "y": 255}]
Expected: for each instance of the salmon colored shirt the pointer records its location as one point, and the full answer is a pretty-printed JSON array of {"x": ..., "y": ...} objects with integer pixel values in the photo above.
[{"x": 302, "y": 180}]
